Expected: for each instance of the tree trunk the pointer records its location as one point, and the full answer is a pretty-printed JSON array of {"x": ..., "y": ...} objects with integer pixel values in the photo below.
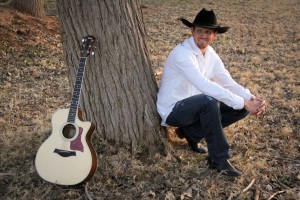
[
  {"x": 119, "y": 91},
  {"x": 32, "y": 7}
]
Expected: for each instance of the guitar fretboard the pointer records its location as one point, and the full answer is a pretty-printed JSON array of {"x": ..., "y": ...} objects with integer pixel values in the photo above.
[{"x": 77, "y": 91}]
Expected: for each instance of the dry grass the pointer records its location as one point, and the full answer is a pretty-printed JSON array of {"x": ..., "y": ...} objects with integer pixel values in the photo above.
[{"x": 261, "y": 50}]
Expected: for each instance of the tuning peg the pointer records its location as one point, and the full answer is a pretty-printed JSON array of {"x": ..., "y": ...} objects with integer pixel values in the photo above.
[{"x": 93, "y": 53}]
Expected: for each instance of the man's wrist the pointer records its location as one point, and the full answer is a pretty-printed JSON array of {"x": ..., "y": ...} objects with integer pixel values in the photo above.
[{"x": 246, "y": 104}]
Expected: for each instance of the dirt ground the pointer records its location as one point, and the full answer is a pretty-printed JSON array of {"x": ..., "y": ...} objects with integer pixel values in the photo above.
[{"x": 261, "y": 50}]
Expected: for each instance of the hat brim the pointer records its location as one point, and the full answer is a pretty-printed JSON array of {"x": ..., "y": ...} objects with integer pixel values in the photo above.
[{"x": 218, "y": 28}]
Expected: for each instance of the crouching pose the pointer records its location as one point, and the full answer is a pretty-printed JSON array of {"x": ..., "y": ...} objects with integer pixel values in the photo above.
[{"x": 198, "y": 95}]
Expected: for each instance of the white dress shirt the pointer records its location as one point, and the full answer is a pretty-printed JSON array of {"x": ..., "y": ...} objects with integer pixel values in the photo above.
[{"x": 187, "y": 72}]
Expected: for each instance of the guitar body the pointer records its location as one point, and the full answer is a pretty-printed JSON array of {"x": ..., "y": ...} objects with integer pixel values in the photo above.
[{"x": 67, "y": 156}]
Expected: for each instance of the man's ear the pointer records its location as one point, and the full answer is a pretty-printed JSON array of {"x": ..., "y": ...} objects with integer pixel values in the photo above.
[{"x": 215, "y": 35}]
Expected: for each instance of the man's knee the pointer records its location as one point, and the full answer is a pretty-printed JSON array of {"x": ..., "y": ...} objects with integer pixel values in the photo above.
[{"x": 212, "y": 103}]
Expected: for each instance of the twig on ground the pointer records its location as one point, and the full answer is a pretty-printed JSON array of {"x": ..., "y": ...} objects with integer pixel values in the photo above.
[
  {"x": 286, "y": 159},
  {"x": 237, "y": 195},
  {"x": 88, "y": 196},
  {"x": 221, "y": 172},
  {"x": 257, "y": 191},
  {"x": 248, "y": 187},
  {"x": 6, "y": 174},
  {"x": 230, "y": 196},
  {"x": 273, "y": 195},
  {"x": 283, "y": 185}
]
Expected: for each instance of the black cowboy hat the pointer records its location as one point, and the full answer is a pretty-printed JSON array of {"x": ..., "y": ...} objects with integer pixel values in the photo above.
[{"x": 205, "y": 19}]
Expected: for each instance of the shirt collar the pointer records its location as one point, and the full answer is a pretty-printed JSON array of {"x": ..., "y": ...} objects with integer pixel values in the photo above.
[{"x": 196, "y": 50}]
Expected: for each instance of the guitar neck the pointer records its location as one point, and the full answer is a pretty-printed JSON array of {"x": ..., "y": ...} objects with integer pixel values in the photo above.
[{"x": 77, "y": 91}]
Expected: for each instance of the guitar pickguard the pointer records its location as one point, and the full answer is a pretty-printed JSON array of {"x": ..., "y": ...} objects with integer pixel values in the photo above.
[{"x": 77, "y": 144}]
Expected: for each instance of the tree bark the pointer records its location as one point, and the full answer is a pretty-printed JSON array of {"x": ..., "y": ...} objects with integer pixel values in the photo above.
[
  {"x": 119, "y": 92},
  {"x": 32, "y": 7},
  {"x": 5, "y": 2}
]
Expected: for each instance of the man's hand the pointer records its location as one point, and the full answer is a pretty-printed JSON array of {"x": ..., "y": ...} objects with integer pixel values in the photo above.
[
  {"x": 263, "y": 108},
  {"x": 256, "y": 106}
]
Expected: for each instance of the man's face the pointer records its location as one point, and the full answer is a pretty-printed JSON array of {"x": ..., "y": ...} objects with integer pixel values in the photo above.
[{"x": 203, "y": 36}]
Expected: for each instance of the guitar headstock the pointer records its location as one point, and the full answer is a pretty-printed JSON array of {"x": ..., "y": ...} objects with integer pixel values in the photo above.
[{"x": 87, "y": 47}]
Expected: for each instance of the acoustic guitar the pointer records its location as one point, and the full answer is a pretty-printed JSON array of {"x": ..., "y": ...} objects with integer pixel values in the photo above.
[{"x": 67, "y": 156}]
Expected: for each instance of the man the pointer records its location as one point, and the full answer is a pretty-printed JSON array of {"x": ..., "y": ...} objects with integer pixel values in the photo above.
[{"x": 198, "y": 95}]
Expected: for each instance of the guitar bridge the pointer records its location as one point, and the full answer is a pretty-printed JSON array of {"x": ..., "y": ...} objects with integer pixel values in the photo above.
[{"x": 64, "y": 153}]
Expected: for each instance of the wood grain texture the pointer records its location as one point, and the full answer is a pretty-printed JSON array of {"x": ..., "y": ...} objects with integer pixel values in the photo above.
[{"x": 119, "y": 92}]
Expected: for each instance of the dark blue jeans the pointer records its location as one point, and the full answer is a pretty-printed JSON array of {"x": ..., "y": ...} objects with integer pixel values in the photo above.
[{"x": 202, "y": 116}]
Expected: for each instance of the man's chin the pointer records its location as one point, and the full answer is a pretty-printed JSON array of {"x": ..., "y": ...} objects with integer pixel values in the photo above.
[{"x": 202, "y": 46}]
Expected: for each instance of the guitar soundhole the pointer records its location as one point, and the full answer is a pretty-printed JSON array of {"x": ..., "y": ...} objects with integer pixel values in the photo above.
[{"x": 69, "y": 131}]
